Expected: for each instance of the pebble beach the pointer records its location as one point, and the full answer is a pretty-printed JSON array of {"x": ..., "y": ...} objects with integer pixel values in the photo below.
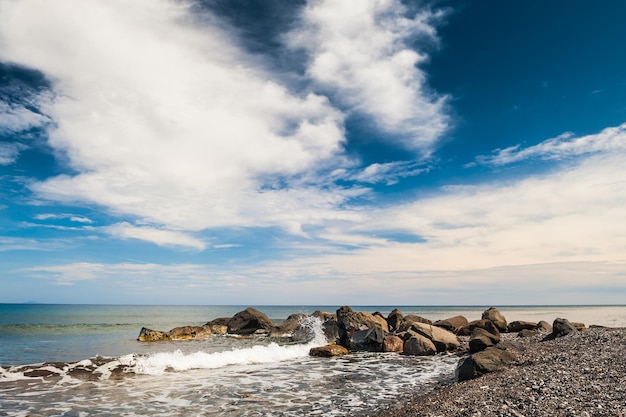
[{"x": 581, "y": 374}]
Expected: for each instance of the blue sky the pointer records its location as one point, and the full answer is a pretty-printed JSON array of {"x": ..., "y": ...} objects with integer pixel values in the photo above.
[{"x": 312, "y": 152}]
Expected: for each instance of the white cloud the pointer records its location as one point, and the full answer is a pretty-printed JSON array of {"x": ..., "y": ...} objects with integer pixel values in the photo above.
[
  {"x": 612, "y": 139},
  {"x": 70, "y": 217},
  {"x": 9, "y": 152},
  {"x": 160, "y": 237},
  {"x": 169, "y": 121},
  {"x": 15, "y": 117},
  {"x": 359, "y": 50}
]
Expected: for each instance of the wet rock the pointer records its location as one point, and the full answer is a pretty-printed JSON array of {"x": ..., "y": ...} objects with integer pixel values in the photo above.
[
  {"x": 250, "y": 321},
  {"x": 370, "y": 340},
  {"x": 452, "y": 324},
  {"x": 350, "y": 321},
  {"x": 492, "y": 314},
  {"x": 149, "y": 335},
  {"x": 393, "y": 343},
  {"x": 518, "y": 326},
  {"x": 419, "y": 345},
  {"x": 289, "y": 326},
  {"x": 189, "y": 332},
  {"x": 328, "y": 351}
]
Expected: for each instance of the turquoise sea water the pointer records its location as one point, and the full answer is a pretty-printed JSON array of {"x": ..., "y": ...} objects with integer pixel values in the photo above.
[{"x": 216, "y": 376}]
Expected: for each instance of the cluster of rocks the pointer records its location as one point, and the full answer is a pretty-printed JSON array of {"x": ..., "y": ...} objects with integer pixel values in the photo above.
[{"x": 478, "y": 341}]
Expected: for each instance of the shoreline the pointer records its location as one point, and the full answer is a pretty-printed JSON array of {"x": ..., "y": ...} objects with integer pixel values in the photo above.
[{"x": 581, "y": 374}]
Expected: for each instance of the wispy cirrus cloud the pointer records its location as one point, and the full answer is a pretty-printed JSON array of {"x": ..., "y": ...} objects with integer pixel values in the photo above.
[
  {"x": 161, "y": 237},
  {"x": 359, "y": 53},
  {"x": 563, "y": 146}
]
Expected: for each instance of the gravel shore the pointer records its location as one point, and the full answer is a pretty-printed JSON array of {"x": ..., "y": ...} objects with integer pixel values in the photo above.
[{"x": 582, "y": 374}]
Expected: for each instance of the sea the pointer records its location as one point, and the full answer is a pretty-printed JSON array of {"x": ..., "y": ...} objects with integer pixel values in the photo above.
[{"x": 85, "y": 360}]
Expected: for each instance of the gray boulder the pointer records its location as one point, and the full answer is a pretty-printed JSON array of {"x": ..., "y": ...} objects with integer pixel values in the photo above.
[
  {"x": 394, "y": 320},
  {"x": 489, "y": 360},
  {"x": 250, "y": 321},
  {"x": 452, "y": 324},
  {"x": 481, "y": 339},
  {"x": 492, "y": 314},
  {"x": 441, "y": 338},
  {"x": 419, "y": 345}
]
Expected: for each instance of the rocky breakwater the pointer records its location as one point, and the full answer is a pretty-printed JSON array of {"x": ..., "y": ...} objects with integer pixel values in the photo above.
[
  {"x": 249, "y": 322},
  {"x": 410, "y": 335}
]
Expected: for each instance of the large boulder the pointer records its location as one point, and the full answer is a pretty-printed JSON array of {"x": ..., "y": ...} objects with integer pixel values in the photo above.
[
  {"x": 218, "y": 326},
  {"x": 543, "y": 326},
  {"x": 189, "y": 332},
  {"x": 483, "y": 324},
  {"x": 250, "y": 321},
  {"x": 289, "y": 326},
  {"x": 518, "y": 325},
  {"x": 370, "y": 340},
  {"x": 492, "y": 314},
  {"x": 149, "y": 335},
  {"x": 328, "y": 351},
  {"x": 408, "y": 321},
  {"x": 350, "y": 321},
  {"x": 419, "y": 345},
  {"x": 489, "y": 360},
  {"x": 392, "y": 343},
  {"x": 394, "y": 319},
  {"x": 481, "y": 339},
  {"x": 441, "y": 338},
  {"x": 560, "y": 328},
  {"x": 452, "y": 324}
]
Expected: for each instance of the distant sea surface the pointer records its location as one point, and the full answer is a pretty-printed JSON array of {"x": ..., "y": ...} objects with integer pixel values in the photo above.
[{"x": 220, "y": 375}]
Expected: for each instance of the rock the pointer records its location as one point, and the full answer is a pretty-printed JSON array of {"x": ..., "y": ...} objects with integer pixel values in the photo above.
[
  {"x": 289, "y": 326},
  {"x": 149, "y": 335},
  {"x": 394, "y": 319},
  {"x": 221, "y": 321},
  {"x": 489, "y": 360},
  {"x": 560, "y": 327},
  {"x": 250, "y": 321},
  {"x": 217, "y": 328},
  {"x": 483, "y": 324},
  {"x": 349, "y": 322},
  {"x": 189, "y": 332},
  {"x": 441, "y": 338},
  {"x": 419, "y": 345},
  {"x": 481, "y": 339},
  {"x": 328, "y": 351},
  {"x": 452, "y": 324},
  {"x": 370, "y": 340},
  {"x": 579, "y": 326},
  {"x": 408, "y": 321},
  {"x": 518, "y": 326},
  {"x": 528, "y": 333},
  {"x": 543, "y": 326},
  {"x": 393, "y": 343},
  {"x": 496, "y": 317}
]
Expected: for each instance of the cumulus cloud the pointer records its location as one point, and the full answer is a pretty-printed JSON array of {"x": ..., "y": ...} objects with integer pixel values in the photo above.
[
  {"x": 168, "y": 120},
  {"x": 359, "y": 51},
  {"x": 567, "y": 145}
]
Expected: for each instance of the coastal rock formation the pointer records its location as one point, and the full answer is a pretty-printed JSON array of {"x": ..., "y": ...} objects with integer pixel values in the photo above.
[
  {"x": 350, "y": 321},
  {"x": 408, "y": 321},
  {"x": 560, "y": 327},
  {"x": 394, "y": 319},
  {"x": 393, "y": 343},
  {"x": 441, "y": 338},
  {"x": 543, "y": 326},
  {"x": 489, "y": 360},
  {"x": 492, "y": 314},
  {"x": 250, "y": 321},
  {"x": 517, "y": 326},
  {"x": 483, "y": 324},
  {"x": 328, "y": 351},
  {"x": 481, "y": 339},
  {"x": 149, "y": 335},
  {"x": 370, "y": 340},
  {"x": 419, "y": 345},
  {"x": 289, "y": 326},
  {"x": 189, "y": 332},
  {"x": 218, "y": 326},
  {"x": 452, "y": 324}
]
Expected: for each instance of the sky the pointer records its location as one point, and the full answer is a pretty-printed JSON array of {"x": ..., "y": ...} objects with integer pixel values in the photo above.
[{"x": 319, "y": 152}]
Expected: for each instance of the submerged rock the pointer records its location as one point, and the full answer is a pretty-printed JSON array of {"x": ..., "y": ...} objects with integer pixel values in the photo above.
[
  {"x": 149, "y": 335},
  {"x": 328, "y": 351}
]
